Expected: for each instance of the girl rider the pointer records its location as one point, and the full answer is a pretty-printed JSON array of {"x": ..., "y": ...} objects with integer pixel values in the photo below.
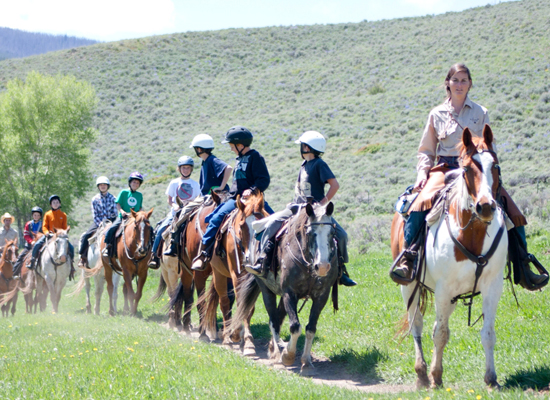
[
  {"x": 103, "y": 208},
  {"x": 215, "y": 174},
  {"x": 183, "y": 187},
  {"x": 53, "y": 219},
  {"x": 127, "y": 200},
  {"x": 32, "y": 228},
  {"x": 312, "y": 177},
  {"x": 250, "y": 173}
]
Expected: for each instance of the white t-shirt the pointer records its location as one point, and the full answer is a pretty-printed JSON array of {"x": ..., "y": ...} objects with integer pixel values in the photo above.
[{"x": 185, "y": 189}]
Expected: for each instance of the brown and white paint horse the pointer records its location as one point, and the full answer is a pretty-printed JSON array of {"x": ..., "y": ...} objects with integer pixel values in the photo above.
[
  {"x": 9, "y": 286},
  {"x": 474, "y": 219}
]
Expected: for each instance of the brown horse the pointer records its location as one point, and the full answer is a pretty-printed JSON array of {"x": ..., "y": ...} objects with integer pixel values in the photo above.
[
  {"x": 238, "y": 243},
  {"x": 133, "y": 251},
  {"x": 173, "y": 268},
  {"x": 9, "y": 286}
]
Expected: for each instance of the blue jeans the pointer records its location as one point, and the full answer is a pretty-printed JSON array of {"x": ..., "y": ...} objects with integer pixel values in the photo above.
[
  {"x": 40, "y": 242},
  {"x": 413, "y": 225},
  {"x": 216, "y": 218},
  {"x": 165, "y": 224}
]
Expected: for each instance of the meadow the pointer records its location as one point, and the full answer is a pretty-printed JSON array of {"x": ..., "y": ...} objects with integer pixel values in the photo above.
[
  {"x": 74, "y": 355},
  {"x": 368, "y": 87}
]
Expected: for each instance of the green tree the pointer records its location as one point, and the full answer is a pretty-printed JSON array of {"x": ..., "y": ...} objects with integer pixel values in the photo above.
[{"x": 45, "y": 135}]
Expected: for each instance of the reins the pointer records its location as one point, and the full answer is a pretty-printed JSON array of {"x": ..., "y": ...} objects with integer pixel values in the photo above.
[{"x": 126, "y": 249}]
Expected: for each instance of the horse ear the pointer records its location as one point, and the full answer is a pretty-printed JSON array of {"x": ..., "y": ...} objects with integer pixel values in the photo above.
[
  {"x": 133, "y": 212},
  {"x": 215, "y": 197},
  {"x": 54, "y": 230},
  {"x": 309, "y": 210},
  {"x": 68, "y": 228},
  {"x": 240, "y": 204},
  {"x": 467, "y": 138},
  {"x": 488, "y": 135},
  {"x": 330, "y": 209},
  {"x": 151, "y": 212}
]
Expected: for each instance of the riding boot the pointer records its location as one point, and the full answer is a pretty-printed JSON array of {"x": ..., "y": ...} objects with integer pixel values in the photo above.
[
  {"x": 407, "y": 262},
  {"x": 172, "y": 250},
  {"x": 344, "y": 278},
  {"x": 32, "y": 265},
  {"x": 200, "y": 262},
  {"x": 83, "y": 262},
  {"x": 106, "y": 251},
  {"x": 263, "y": 263},
  {"x": 154, "y": 262},
  {"x": 532, "y": 281}
]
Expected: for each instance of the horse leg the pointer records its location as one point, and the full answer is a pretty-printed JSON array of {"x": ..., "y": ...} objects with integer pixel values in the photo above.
[
  {"x": 142, "y": 278},
  {"x": 291, "y": 304},
  {"x": 14, "y": 304},
  {"x": 488, "y": 336},
  {"x": 200, "y": 286},
  {"x": 317, "y": 306},
  {"x": 109, "y": 279},
  {"x": 116, "y": 283},
  {"x": 128, "y": 291},
  {"x": 270, "y": 302},
  {"x": 416, "y": 322},
  {"x": 220, "y": 284},
  {"x": 171, "y": 277},
  {"x": 88, "y": 287},
  {"x": 99, "y": 281},
  {"x": 187, "y": 283},
  {"x": 441, "y": 334}
]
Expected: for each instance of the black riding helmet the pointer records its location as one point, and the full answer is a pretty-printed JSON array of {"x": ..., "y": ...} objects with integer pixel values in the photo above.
[
  {"x": 53, "y": 197},
  {"x": 238, "y": 135},
  {"x": 38, "y": 210}
]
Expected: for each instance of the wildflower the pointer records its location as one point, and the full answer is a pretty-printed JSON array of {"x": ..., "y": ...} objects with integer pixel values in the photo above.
[
  {"x": 130, "y": 349},
  {"x": 53, "y": 358},
  {"x": 478, "y": 397},
  {"x": 64, "y": 356},
  {"x": 72, "y": 356},
  {"x": 1, "y": 345},
  {"x": 141, "y": 366},
  {"x": 470, "y": 391},
  {"x": 193, "y": 348},
  {"x": 10, "y": 326},
  {"x": 181, "y": 345},
  {"x": 43, "y": 351},
  {"x": 152, "y": 378},
  {"x": 448, "y": 389},
  {"x": 49, "y": 334},
  {"x": 95, "y": 349},
  {"x": 136, "y": 343},
  {"x": 79, "y": 354},
  {"x": 36, "y": 323},
  {"x": 87, "y": 351}
]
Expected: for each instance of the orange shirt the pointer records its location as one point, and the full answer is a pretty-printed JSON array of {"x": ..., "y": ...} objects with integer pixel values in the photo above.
[{"x": 54, "y": 219}]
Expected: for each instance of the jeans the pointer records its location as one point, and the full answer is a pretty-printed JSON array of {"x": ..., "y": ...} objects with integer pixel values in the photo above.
[
  {"x": 413, "y": 225},
  {"x": 110, "y": 235},
  {"x": 165, "y": 224},
  {"x": 84, "y": 244}
]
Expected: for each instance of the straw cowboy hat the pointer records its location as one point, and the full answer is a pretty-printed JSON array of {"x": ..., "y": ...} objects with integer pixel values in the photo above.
[{"x": 6, "y": 215}]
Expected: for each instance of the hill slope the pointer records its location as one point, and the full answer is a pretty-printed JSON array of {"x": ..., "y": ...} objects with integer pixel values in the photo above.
[
  {"x": 18, "y": 43},
  {"x": 367, "y": 86}
]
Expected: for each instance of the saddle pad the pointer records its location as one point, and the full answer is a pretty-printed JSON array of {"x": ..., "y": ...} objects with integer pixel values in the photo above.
[
  {"x": 282, "y": 230},
  {"x": 227, "y": 221}
]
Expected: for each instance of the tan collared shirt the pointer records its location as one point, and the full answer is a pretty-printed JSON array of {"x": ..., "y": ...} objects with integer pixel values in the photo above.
[
  {"x": 8, "y": 235},
  {"x": 443, "y": 132}
]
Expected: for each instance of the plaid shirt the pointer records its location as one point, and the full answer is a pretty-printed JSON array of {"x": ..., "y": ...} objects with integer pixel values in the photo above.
[{"x": 103, "y": 207}]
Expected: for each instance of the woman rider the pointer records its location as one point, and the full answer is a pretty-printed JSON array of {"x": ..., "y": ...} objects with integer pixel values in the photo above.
[{"x": 438, "y": 153}]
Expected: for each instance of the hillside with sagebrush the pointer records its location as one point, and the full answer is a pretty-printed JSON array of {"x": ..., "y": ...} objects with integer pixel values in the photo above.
[{"x": 368, "y": 87}]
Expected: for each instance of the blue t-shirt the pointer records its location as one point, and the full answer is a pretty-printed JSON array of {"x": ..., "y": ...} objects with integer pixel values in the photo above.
[
  {"x": 311, "y": 181},
  {"x": 250, "y": 172},
  {"x": 212, "y": 171}
]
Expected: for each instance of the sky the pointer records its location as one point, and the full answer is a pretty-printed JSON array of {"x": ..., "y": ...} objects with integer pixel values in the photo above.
[{"x": 111, "y": 20}]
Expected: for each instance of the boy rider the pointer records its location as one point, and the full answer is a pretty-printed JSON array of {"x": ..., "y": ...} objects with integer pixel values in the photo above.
[
  {"x": 103, "y": 208},
  {"x": 215, "y": 174},
  {"x": 250, "y": 173},
  {"x": 184, "y": 188},
  {"x": 312, "y": 177},
  {"x": 127, "y": 200}
]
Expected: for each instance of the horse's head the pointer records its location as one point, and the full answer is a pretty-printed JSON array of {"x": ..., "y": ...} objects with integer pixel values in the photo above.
[
  {"x": 61, "y": 243},
  {"x": 10, "y": 252},
  {"x": 320, "y": 237},
  {"x": 142, "y": 231},
  {"x": 250, "y": 208},
  {"x": 481, "y": 172}
]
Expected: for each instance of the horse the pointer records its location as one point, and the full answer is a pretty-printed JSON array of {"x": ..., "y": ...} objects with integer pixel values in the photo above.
[
  {"x": 465, "y": 252},
  {"x": 235, "y": 247},
  {"x": 133, "y": 251},
  {"x": 174, "y": 268},
  {"x": 54, "y": 269},
  {"x": 93, "y": 257},
  {"x": 9, "y": 286},
  {"x": 308, "y": 269}
]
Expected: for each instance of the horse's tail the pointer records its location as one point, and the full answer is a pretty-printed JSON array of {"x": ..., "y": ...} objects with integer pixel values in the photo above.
[
  {"x": 95, "y": 270},
  {"x": 79, "y": 286},
  {"x": 160, "y": 290},
  {"x": 8, "y": 296},
  {"x": 26, "y": 289},
  {"x": 211, "y": 300},
  {"x": 248, "y": 290},
  {"x": 177, "y": 298},
  {"x": 402, "y": 326}
]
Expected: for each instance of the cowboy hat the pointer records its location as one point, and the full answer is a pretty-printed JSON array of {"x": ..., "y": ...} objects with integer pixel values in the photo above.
[{"x": 6, "y": 215}]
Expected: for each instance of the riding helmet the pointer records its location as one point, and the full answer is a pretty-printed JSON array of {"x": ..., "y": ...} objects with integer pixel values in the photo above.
[
  {"x": 186, "y": 160},
  {"x": 53, "y": 197},
  {"x": 203, "y": 141},
  {"x": 314, "y": 140},
  {"x": 102, "y": 180},
  {"x": 38, "y": 210},
  {"x": 238, "y": 135},
  {"x": 135, "y": 175}
]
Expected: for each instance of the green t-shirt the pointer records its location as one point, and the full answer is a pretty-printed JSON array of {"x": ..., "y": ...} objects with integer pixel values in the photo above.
[{"x": 128, "y": 200}]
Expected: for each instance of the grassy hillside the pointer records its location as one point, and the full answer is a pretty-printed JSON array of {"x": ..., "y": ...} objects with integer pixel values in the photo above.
[{"x": 367, "y": 86}]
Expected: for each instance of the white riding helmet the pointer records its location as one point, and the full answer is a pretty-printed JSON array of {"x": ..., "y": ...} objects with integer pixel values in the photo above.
[
  {"x": 314, "y": 140},
  {"x": 102, "y": 179},
  {"x": 203, "y": 141}
]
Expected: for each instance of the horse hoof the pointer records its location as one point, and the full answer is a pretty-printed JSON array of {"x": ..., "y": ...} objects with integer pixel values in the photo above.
[
  {"x": 204, "y": 338},
  {"x": 287, "y": 359},
  {"x": 308, "y": 369},
  {"x": 249, "y": 352},
  {"x": 88, "y": 310}
]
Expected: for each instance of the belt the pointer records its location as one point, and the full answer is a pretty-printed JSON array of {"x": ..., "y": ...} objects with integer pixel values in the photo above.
[{"x": 452, "y": 162}]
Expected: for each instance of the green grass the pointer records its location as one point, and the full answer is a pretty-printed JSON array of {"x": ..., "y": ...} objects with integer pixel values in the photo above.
[{"x": 76, "y": 355}]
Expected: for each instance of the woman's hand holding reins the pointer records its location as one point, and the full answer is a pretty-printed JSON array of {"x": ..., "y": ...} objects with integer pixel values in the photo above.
[{"x": 418, "y": 186}]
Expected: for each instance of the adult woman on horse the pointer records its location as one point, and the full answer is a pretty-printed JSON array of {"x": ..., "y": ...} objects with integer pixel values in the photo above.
[
  {"x": 103, "y": 208},
  {"x": 127, "y": 200},
  {"x": 184, "y": 188},
  {"x": 250, "y": 173},
  {"x": 215, "y": 174},
  {"x": 438, "y": 153},
  {"x": 53, "y": 219}
]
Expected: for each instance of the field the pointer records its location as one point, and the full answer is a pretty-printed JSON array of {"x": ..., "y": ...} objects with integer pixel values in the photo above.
[{"x": 74, "y": 355}]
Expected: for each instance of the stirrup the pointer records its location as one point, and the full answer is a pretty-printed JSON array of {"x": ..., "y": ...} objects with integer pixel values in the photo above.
[
  {"x": 532, "y": 281},
  {"x": 404, "y": 280},
  {"x": 256, "y": 269},
  {"x": 199, "y": 263}
]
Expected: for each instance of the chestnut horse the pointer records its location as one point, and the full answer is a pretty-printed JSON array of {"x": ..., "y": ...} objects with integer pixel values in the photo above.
[
  {"x": 133, "y": 249},
  {"x": 9, "y": 287},
  {"x": 238, "y": 242},
  {"x": 471, "y": 227},
  {"x": 174, "y": 268}
]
